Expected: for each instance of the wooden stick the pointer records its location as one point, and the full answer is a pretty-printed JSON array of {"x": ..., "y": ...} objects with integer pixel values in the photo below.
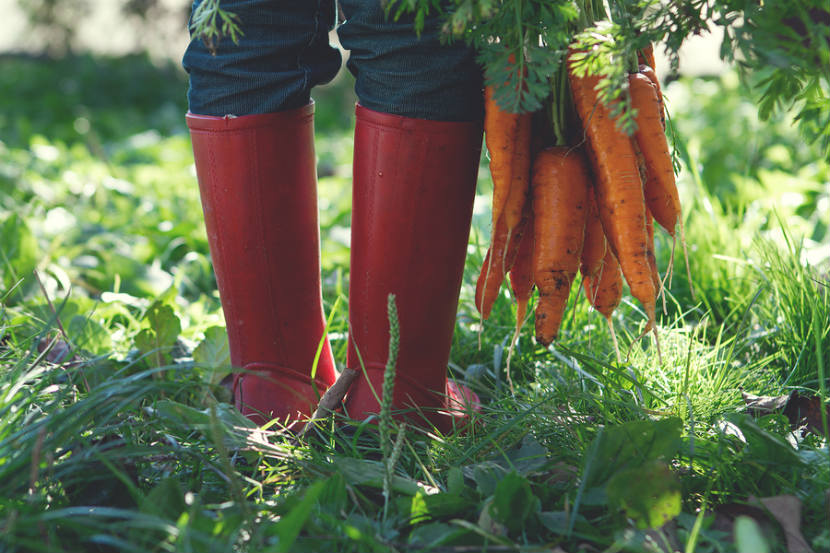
[{"x": 332, "y": 398}]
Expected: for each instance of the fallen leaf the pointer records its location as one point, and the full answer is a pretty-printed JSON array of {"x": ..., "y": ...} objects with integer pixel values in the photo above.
[
  {"x": 787, "y": 511},
  {"x": 804, "y": 411},
  {"x": 727, "y": 513},
  {"x": 764, "y": 404},
  {"x": 783, "y": 511},
  {"x": 59, "y": 351}
]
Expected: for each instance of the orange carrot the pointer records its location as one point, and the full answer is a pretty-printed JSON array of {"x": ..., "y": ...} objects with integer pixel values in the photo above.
[
  {"x": 660, "y": 189},
  {"x": 652, "y": 258},
  {"x": 497, "y": 262},
  {"x": 593, "y": 250},
  {"x": 560, "y": 185},
  {"x": 521, "y": 282},
  {"x": 507, "y": 136},
  {"x": 492, "y": 272},
  {"x": 604, "y": 292},
  {"x": 652, "y": 76},
  {"x": 646, "y": 56},
  {"x": 604, "y": 289},
  {"x": 619, "y": 189},
  {"x": 521, "y": 273}
]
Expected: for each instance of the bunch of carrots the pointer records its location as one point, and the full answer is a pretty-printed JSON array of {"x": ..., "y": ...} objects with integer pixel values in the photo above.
[{"x": 584, "y": 207}]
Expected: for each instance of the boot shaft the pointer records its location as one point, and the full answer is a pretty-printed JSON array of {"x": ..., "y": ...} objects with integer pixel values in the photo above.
[
  {"x": 257, "y": 181},
  {"x": 413, "y": 192}
]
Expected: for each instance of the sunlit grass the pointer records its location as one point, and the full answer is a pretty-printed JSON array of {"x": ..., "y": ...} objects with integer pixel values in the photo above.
[{"x": 111, "y": 450}]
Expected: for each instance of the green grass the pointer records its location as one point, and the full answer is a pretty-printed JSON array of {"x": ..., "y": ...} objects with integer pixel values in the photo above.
[{"x": 130, "y": 444}]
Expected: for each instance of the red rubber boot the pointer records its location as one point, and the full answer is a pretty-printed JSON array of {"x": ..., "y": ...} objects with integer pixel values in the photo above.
[
  {"x": 414, "y": 185},
  {"x": 258, "y": 185}
]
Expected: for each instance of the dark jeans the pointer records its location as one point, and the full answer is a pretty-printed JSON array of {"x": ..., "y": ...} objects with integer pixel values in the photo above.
[{"x": 284, "y": 52}]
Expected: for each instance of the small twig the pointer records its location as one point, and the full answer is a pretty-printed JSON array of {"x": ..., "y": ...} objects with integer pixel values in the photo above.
[
  {"x": 51, "y": 306},
  {"x": 335, "y": 394},
  {"x": 332, "y": 398}
]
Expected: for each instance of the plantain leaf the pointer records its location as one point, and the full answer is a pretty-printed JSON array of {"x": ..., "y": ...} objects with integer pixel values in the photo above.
[{"x": 649, "y": 494}]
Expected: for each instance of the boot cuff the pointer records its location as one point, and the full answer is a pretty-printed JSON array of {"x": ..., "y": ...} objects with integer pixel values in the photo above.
[
  {"x": 388, "y": 120},
  {"x": 197, "y": 122}
]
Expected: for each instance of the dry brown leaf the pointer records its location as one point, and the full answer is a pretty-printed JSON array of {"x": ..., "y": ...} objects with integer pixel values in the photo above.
[
  {"x": 782, "y": 510},
  {"x": 803, "y": 412},
  {"x": 59, "y": 351},
  {"x": 726, "y": 514},
  {"x": 787, "y": 511},
  {"x": 765, "y": 404}
]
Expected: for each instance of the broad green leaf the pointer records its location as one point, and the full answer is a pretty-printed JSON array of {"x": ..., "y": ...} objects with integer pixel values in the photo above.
[
  {"x": 238, "y": 431},
  {"x": 630, "y": 444},
  {"x": 164, "y": 322},
  {"x": 334, "y": 497},
  {"x": 649, "y": 494},
  {"x": 145, "y": 340},
  {"x": 441, "y": 505},
  {"x": 89, "y": 335},
  {"x": 530, "y": 457},
  {"x": 162, "y": 334},
  {"x": 555, "y": 521},
  {"x": 513, "y": 501},
  {"x": 190, "y": 416},
  {"x": 214, "y": 353},
  {"x": 418, "y": 511},
  {"x": 486, "y": 476},
  {"x": 558, "y": 521}
]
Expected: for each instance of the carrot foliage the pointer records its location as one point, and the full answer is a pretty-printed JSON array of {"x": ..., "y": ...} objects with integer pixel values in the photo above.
[{"x": 782, "y": 47}]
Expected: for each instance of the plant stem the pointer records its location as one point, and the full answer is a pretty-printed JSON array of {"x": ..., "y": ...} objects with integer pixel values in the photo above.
[{"x": 386, "y": 423}]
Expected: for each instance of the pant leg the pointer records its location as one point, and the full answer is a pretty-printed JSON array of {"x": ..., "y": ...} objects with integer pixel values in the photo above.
[
  {"x": 282, "y": 53},
  {"x": 401, "y": 73}
]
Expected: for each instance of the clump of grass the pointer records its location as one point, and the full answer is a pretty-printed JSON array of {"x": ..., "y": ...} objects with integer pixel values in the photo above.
[{"x": 797, "y": 315}]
